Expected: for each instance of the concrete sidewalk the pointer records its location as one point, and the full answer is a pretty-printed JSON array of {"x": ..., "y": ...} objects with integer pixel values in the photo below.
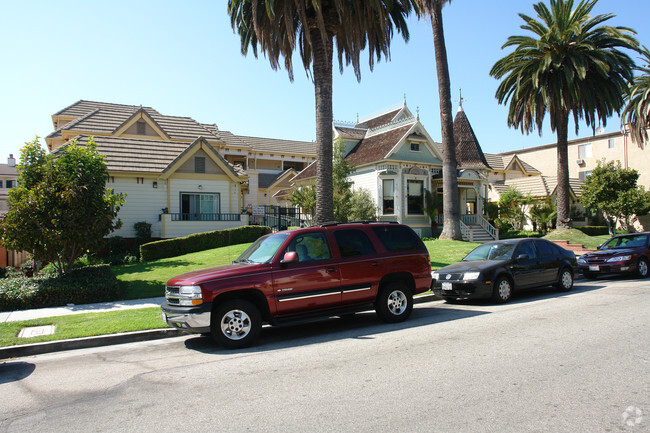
[{"x": 15, "y": 316}]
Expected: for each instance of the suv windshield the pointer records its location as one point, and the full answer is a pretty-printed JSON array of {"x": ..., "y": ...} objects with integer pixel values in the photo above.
[
  {"x": 263, "y": 250},
  {"x": 491, "y": 252}
]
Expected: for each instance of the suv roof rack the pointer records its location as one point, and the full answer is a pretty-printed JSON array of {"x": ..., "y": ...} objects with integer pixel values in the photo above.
[{"x": 337, "y": 223}]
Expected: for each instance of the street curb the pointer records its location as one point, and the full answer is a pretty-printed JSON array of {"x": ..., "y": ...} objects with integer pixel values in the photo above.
[
  {"x": 86, "y": 342},
  {"x": 107, "y": 340}
]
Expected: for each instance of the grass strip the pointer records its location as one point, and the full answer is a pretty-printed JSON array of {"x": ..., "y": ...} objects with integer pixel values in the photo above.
[{"x": 84, "y": 325}]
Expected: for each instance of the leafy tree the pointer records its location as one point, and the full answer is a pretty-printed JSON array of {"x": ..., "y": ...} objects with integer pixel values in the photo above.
[
  {"x": 572, "y": 67},
  {"x": 613, "y": 190},
  {"x": 541, "y": 214},
  {"x": 280, "y": 27},
  {"x": 637, "y": 109},
  {"x": 362, "y": 206},
  {"x": 341, "y": 171},
  {"x": 304, "y": 196},
  {"x": 451, "y": 207},
  {"x": 61, "y": 207},
  {"x": 513, "y": 206}
]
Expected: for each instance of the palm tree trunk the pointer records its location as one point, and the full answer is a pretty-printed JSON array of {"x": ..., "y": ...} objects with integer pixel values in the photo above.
[
  {"x": 451, "y": 205},
  {"x": 322, "y": 65},
  {"x": 563, "y": 196}
]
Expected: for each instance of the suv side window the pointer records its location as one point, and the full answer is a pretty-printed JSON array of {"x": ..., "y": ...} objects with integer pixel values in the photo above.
[
  {"x": 398, "y": 238},
  {"x": 353, "y": 243},
  {"x": 310, "y": 247}
]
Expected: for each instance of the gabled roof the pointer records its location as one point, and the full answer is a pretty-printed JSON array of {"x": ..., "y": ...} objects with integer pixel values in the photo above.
[
  {"x": 201, "y": 143},
  {"x": 308, "y": 173},
  {"x": 377, "y": 147},
  {"x": 274, "y": 180},
  {"x": 350, "y": 133},
  {"x": 537, "y": 186},
  {"x": 379, "y": 120},
  {"x": 499, "y": 162},
  {"x": 144, "y": 115},
  {"x": 468, "y": 152},
  {"x": 273, "y": 145},
  {"x": 83, "y": 107},
  {"x": 146, "y": 156}
]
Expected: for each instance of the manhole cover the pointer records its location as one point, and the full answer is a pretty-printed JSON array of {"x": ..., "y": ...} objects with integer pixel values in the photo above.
[{"x": 36, "y": 331}]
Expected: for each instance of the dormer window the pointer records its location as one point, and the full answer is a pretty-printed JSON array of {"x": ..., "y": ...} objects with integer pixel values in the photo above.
[
  {"x": 199, "y": 164},
  {"x": 415, "y": 147},
  {"x": 141, "y": 127}
]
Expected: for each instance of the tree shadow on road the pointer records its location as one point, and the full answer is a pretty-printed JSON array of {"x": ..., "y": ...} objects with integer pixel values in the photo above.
[{"x": 15, "y": 371}]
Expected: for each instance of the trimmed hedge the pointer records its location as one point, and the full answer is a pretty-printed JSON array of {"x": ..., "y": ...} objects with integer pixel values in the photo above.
[
  {"x": 200, "y": 242},
  {"x": 593, "y": 230},
  {"x": 80, "y": 286}
]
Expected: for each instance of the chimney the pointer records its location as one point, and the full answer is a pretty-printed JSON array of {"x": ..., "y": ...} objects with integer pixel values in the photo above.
[{"x": 11, "y": 161}]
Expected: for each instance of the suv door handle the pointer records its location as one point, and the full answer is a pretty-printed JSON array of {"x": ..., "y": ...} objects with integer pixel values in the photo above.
[
  {"x": 330, "y": 270},
  {"x": 374, "y": 264}
]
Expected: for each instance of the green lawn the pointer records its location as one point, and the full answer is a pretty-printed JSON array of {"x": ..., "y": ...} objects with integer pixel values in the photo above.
[
  {"x": 444, "y": 252},
  {"x": 575, "y": 236},
  {"x": 84, "y": 325},
  {"x": 147, "y": 280}
]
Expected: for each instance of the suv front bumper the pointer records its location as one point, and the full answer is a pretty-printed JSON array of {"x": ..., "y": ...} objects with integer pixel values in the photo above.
[{"x": 191, "y": 319}]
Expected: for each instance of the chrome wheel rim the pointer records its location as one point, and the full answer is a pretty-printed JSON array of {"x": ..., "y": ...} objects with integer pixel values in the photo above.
[
  {"x": 235, "y": 324},
  {"x": 504, "y": 289},
  {"x": 566, "y": 280},
  {"x": 643, "y": 268},
  {"x": 397, "y": 302}
]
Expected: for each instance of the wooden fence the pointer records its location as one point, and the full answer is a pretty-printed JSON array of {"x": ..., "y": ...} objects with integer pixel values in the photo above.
[{"x": 12, "y": 258}]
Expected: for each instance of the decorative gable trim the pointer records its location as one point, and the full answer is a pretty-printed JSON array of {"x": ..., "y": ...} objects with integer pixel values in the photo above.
[
  {"x": 421, "y": 135},
  {"x": 202, "y": 144},
  {"x": 140, "y": 115}
]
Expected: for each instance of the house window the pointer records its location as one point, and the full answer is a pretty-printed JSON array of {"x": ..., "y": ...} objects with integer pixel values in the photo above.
[
  {"x": 199, "y": 164},
  {"x": 470, "y": 202},
  {"x": 0, "y": 183},
  {"x": 9, "y": 184},
  {"x": 200, "y": 207},
  {"x": 388, "y": 202},
  {"x": 415, "y": 147},
  {"x": 583, "y": 175},
  {"x": 415, "y": 197},
  {"x": 584, "y": 151},
  {"x": 141, "y": 126},
  {"x": 610, "y": 142}
]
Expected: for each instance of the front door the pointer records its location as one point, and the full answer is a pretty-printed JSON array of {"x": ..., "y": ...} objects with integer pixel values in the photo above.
[{"x": 312, "y": 283}]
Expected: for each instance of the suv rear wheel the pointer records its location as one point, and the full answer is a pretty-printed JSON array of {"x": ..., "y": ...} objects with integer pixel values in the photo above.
[
  {"x": 236, "y": 323},
  {"x": 394, "y": 302}
]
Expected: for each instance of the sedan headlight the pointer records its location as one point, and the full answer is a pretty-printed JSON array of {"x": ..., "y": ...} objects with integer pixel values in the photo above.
[
  {"x": 619, "y": 259},
  {"x": 184, "y": 296},
  {"x": 471, "y": 275},
  {"x": 582, "y": 261}
]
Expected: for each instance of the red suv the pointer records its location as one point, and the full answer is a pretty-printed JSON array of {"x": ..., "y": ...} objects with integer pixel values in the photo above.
[{"x": 328, "y": 270}]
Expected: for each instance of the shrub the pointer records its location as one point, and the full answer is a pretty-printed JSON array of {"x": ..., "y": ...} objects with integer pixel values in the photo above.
[
  {"x": 201, "y": 241},
  {"x": 593, "y": 230},
  {"x": 79, "y": 286},
  {"x": 142, "y": 233},
  {"x": 116, "y": 245}
]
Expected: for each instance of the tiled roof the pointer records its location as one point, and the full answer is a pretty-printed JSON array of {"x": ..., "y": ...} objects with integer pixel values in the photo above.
[
  {"x": 140, "y": 155},
  {"x": 376, "y": 147},
  {"x": 308, "y": 173},
  {"x": 279, "y": 146},
  {"x": 6, "y": 170},
  {"x": 537, "y": 186},
  {"x": 379, "y": 120},
  {"x": 266, "y": 179},
  {"x": 500, "y": 162},
  {"x": 82, "y": 107},
  {"x": 468, "y": 151}
]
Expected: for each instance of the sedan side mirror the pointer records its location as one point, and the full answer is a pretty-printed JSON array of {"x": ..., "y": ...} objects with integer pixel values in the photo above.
[
  {"x": 289, "y": 257},
  {"x": 523, "y": 257}
]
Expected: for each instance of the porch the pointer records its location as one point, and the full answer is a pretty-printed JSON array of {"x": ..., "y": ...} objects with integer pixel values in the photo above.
[{"x": 182, "y": 224}]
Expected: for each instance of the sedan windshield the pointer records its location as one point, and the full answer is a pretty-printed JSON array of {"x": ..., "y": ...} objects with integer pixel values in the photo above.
[
  {"x": 632, "y": 241},
  {"x": 263, "y": 250},
  {"x": 491, "y": 252}
]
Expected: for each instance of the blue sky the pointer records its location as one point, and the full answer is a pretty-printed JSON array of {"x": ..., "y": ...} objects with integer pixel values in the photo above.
[{"x": 182, "y": 58}]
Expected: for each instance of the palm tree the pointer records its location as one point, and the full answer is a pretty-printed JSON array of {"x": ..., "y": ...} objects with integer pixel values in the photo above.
[
  {"x": 637, "y": 109},
  {"x": 451, "y": 203},
  {"x": 573, "y": 67},
  {"x": 314, "y": 27}
]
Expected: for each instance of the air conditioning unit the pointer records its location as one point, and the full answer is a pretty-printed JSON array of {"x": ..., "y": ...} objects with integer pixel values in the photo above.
[{"x": 580, "y": 161}]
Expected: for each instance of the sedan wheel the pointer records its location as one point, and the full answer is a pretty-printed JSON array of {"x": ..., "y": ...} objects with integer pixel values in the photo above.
[
  {"x": 566, "y": 280},
  {"x": 642, "y": 268},
  {"x": 502, "y": 291}
]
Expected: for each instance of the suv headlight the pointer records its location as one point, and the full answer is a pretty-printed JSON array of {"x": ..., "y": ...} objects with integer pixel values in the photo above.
[
  {"x": 619, "y": 259},
  {"x": 184, "y": 296},
  {"x": 471, "y": 275}
]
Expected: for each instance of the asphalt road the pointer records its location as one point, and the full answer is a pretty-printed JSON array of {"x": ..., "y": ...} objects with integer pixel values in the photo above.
[{"x": 547, "y": 362}]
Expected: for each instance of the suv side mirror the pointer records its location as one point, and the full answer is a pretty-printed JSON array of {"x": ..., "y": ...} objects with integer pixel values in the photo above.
[{"x": 289, "y": 257}]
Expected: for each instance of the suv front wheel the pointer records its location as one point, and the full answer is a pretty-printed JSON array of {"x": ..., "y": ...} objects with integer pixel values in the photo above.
[
  {"x": 236, "y": 323},
  {"x": 394, "y": 302}
]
